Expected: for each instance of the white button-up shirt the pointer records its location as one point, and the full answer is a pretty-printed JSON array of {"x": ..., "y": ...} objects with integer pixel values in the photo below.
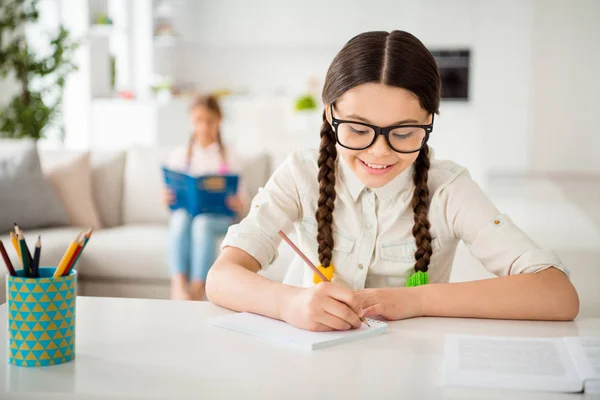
[{"x": 373, "y": 241}]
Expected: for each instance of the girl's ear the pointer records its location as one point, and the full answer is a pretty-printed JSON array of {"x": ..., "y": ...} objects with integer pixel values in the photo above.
[{"x": 328, "y": 114}]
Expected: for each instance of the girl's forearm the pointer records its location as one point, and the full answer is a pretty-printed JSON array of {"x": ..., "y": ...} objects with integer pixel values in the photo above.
[
  {"x": 237, "y": 288},
  {"x": 547, "y": 295}
]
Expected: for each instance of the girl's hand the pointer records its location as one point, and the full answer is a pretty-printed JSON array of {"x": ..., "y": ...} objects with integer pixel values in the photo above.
[
  {"x": 167, "y": 197},
  {"x": 236, "y": 204},
  {"x": 324, "y": 307},
  {"x": 390, "y": 303}
]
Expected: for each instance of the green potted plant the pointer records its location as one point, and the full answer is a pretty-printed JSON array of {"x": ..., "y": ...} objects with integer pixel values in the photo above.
[
  {"x": 306, "y": 102},
  {"x": 40, "y": 79},
  {"x": 306, "y": 118}
]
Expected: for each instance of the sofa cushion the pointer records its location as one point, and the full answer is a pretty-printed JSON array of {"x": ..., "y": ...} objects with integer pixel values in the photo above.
[
  {"x": 130, "y": 252},
  {"x": 107, "y": 185},
  {"x": 142, "y": 185},
  {"x": 69, "y": 173},
  {"x": 25, "y": 196}
]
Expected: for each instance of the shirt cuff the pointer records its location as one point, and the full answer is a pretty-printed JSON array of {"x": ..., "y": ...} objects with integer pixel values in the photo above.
[
  {"x": 536, "y": 261},
  {"x": 262, "y": 252}
]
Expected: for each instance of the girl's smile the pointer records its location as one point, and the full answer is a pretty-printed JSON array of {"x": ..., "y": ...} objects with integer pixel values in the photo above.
[{"x": 376, "y": 169}]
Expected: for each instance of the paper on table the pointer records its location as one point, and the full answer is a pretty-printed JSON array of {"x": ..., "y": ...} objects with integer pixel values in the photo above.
[
  {"x": 586, "y": 354},
  {"x": 282, "y": 332},
  {"x": 517, "y": 363}
]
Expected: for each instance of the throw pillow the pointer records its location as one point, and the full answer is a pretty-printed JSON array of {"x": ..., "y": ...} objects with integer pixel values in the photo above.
[
  {"x": 25, "y": 197},
  {"x": 70, "y": 175}
]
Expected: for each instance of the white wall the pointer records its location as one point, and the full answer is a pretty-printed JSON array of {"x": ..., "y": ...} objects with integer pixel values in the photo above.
[
  {"x": 269, "y": 46},
  {"x": 533, "y": 86},
  {"x": 566, "y": 86},
  {"x": 78, "y": 88}
]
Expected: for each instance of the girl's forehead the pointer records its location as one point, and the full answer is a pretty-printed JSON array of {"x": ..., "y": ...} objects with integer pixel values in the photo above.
[
  {"x": 202, "y": 111},
  {"x": 380, "y": 104}
]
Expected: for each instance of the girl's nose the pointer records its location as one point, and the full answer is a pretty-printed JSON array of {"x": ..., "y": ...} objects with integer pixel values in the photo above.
[{"x": 380, "y": 148}]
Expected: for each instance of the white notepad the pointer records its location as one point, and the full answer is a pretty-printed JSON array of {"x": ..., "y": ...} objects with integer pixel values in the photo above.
[{"x": 282, "y": 332}]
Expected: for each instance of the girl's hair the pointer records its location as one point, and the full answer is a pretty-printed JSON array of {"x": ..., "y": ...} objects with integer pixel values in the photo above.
[
  {"x": 211, "y": 103},
  {"x": 396, "y": 59}
]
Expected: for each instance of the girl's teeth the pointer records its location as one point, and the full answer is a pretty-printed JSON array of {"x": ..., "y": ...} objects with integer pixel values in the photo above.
[{"x": 375, "y": 166}]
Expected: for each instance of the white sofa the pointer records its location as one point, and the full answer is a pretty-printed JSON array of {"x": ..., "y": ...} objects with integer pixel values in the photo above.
[{"x": 128, "y": 257}]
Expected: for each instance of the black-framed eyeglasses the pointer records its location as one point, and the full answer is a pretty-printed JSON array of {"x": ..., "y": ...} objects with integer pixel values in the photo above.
[{"x": 360, "y": 135}]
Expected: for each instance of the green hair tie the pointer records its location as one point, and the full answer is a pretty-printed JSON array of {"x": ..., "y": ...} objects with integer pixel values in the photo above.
[{"x": 417, "y": 279}]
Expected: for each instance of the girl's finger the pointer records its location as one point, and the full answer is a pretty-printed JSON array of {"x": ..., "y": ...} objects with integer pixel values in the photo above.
[
  {"x": 342, "y": 311},
  {"x": 333, "y": 322},
  {"x": 344, "y": 295},
  {"x": 318, "y": 327},
  {"x": 373, "y": 310}
]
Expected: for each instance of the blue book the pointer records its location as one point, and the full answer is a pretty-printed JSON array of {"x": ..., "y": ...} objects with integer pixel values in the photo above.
[{"x": 204, "y": 194}]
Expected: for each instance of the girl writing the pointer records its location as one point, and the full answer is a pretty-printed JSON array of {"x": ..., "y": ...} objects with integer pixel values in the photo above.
[{"x": 381, "y": 215}]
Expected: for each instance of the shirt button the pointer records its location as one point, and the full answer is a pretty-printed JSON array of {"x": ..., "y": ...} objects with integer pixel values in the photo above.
[
  {"x": 369, "y": 226},
  {"x": 369, "y": 190},
  {"x": 360, "y": 266}
]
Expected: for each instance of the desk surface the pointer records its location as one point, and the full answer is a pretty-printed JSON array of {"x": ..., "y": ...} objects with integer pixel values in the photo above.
[{"x": 158, "y": 349}]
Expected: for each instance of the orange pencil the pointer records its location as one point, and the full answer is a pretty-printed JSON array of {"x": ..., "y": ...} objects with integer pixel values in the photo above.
[
  {"x": 15, "y": 243},
  {"x": 76, "y": 256},
  {"x": 64, "y": 262}
]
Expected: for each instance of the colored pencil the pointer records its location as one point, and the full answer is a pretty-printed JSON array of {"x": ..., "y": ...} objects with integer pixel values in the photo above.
[
  {"x": 310, "y": 264},
  {"x": 74, "y": 257},
  {"x": 15, "y": 243},
  {"x": 35, "y": 267},
  {"x": 24, "y": 250},
  {"x": 26, "y": 263},
  {"x": 87, "y": 237},
  {"x": 9, "y": 265},
  {"x": 303, "y": 257},
  {"x": 64, "y": 262}
]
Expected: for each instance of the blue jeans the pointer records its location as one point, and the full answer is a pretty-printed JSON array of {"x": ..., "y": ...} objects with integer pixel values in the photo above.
[{"x": 192, "y": 242}]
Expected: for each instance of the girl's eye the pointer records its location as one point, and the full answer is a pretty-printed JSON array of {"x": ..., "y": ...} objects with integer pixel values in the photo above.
[
  {"x": 359, "y": 130},
  {"x": 404, "y": 136}
]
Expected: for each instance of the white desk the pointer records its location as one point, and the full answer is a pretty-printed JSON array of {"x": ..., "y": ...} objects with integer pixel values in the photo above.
[{"x": 157, "y": 349}]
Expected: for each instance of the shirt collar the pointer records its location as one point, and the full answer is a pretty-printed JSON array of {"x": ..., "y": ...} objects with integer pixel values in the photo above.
[{"x": 355, "y": 186}]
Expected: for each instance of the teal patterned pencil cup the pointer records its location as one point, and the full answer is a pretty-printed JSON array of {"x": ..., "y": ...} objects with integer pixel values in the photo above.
[{"x": 41, "y": 318}]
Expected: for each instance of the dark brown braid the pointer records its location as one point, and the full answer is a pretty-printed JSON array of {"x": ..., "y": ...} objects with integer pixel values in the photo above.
[
  {"x": 420, "y": 205},
  {"x": 326, "y": 202}
]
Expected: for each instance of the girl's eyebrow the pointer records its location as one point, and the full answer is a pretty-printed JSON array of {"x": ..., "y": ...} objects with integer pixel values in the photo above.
[{"x": 404, "y": 121}]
